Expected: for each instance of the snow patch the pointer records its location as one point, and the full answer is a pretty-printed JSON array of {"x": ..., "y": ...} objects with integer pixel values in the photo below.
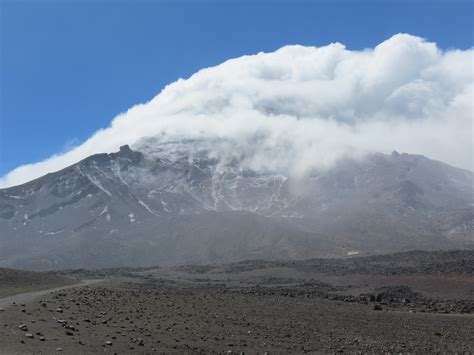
[
  {"x": 147, "y": 207},
  {"x": 95, "y": 182},
  {"x": 54, "y": 233},
  {"x": 106, "y": 208}
]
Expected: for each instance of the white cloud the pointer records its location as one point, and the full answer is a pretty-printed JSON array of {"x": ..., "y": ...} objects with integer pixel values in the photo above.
[{"x": 301, "y": 107}]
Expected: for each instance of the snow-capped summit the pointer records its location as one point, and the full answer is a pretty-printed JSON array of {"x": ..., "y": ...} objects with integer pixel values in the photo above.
[{"x": 169, "y": 204}]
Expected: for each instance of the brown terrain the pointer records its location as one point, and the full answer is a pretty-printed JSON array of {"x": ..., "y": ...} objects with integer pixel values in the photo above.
[{"x": 414, "y": 301}]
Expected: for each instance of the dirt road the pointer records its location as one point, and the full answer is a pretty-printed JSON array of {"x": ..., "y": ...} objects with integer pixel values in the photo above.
[{"x": 29, "y": 296}]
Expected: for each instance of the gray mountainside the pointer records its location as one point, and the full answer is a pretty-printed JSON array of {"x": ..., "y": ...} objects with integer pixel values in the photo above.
[{"x": 134, "y": 208}]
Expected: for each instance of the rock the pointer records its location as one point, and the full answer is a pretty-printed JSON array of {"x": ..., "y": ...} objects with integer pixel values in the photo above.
[
  {"x": 59, "y": 310},
  {"x": 109, "y": 343},
  {"x": 42, "y": 338},
  {"x": 23, "y": 327},
  {"x": 59, "y": 349},
  {"x": 29, "y": 335}
]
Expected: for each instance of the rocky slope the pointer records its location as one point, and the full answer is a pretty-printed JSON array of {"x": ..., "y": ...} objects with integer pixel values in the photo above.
[{"x": 158, "y": 205}]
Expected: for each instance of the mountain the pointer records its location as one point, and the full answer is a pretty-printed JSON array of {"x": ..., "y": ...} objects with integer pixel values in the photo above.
[{"x": 160, "y": 205}]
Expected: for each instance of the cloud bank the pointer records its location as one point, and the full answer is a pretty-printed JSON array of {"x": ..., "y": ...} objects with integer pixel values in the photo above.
[{"x": 301, "y": 107}]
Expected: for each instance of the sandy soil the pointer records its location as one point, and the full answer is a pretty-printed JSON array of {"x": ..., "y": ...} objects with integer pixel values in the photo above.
[
  {"x": 19, "y": 281},
  {"x": 20, "y": 298},
  {"x": 250, "y": 307},
  {"x": 128, "y": 318}
]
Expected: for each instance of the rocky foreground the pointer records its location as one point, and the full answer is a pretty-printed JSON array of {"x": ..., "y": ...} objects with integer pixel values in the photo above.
[{"x": 255, "y": 307}]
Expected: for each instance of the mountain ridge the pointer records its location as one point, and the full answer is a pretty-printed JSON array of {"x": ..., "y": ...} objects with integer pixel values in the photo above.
[{"x": 135, "y": 208}]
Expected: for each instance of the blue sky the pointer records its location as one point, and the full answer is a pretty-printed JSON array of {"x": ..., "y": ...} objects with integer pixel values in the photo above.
[{"x": 68, "y": 67}]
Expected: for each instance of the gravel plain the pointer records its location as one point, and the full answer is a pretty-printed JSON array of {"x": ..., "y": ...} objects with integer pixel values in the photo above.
[{"x": 246, "y": 309}]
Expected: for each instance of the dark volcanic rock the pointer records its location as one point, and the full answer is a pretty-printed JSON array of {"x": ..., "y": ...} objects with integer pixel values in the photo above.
[{"x": 161, "y": 206}]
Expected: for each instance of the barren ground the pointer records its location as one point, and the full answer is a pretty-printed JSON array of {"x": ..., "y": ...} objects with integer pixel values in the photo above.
[{"x": 255, "y": 306}]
